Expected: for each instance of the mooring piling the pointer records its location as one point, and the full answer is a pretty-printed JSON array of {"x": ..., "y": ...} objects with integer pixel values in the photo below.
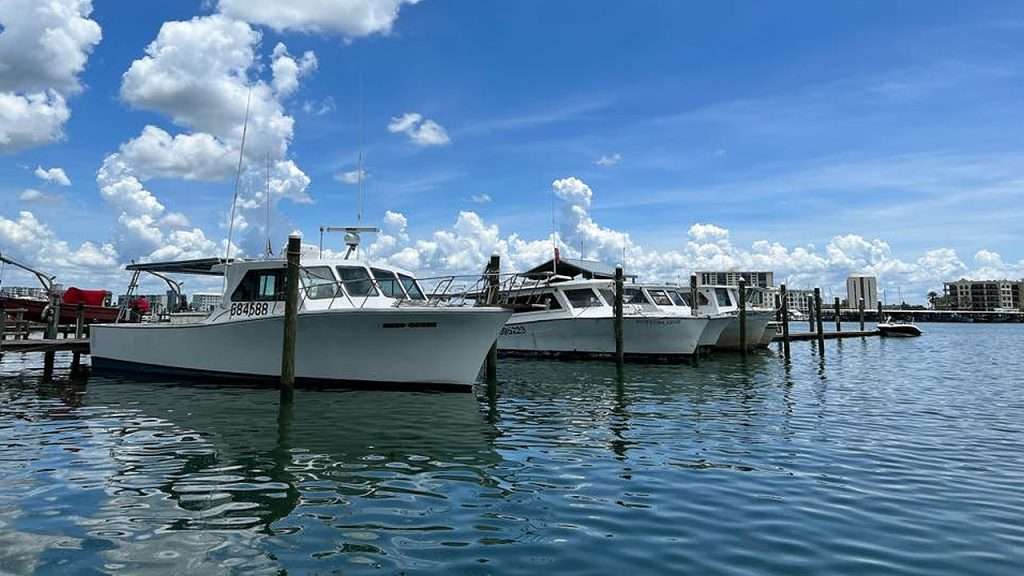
[
  {"x": 785, "y": 321},
  {"x": 493, "y": 271},
  {"x": 810, "y": 316},
  {"x": 821, "y": 328},
  {"x": 879, "y": 319},
  {"x": 76, "y": 358},
  {"x": 743, "y": 316},
  {"x": 620, "y": 351},
  {"x": 860, "y": 309},
  {"x": 839, "y": 323},
  {"x": 291, "y": 312}
]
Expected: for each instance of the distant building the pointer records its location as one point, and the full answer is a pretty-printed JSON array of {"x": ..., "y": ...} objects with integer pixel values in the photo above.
[
  {"x": 205, "y": 301},
  {"x": 984, "y": 295},
  {"x": 24, "y": 292},
  {"x": 802, "y": 300},
  {"x": 862, "y": 286},
  {"x": 762, "y": 293}
]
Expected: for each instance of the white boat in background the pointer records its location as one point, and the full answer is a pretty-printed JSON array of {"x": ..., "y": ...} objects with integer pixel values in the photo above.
[
  {"x": 898, "y": 329},
  {"x": 772, "y": 330},
  {"x": 725, "y": 300},
  {"x": 357, "y": 323},
  {"x": 676, "y": 300},
  {"x": 562, "y": 316}
]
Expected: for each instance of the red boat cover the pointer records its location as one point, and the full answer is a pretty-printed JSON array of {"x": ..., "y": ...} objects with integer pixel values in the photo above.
[
  {"x": 88, "y": 297},
  {"x": 141, "y": 305}
]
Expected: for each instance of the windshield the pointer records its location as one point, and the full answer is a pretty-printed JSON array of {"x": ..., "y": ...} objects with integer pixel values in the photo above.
[
  {"x": 679, "y": 299},
  {"x": 583, "y": 298},
  {"x": 388, "y": 283},
  {"x": 319, "y": 283},
  {"x": 660, "y": 297},
  {"x": 412, "y": 287},
  {"x": 634, "y": 296},
  {"x": 357, "y": 281},
  {"x": 722, "y": 295}
]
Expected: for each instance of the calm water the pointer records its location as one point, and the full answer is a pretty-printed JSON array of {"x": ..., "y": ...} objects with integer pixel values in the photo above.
[{"x": 895, "y": 456}]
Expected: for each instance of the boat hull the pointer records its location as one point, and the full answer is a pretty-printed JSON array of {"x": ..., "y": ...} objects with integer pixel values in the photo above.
[
  {"x": 899, "y": 331},
  {"x": 714, "y": 330},
  {"x": 642, "y": 337},
  {"x": 437, "y": 347},
  {"x": 757, "y": 322}
]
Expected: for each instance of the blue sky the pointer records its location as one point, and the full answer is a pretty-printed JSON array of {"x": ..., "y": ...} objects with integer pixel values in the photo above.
[{"x": 892, "y": 128}]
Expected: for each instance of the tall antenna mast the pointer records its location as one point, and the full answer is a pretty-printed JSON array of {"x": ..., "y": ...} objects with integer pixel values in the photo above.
[
  {"x": 238, "y": 179},
  {"x": 362, "y": 142},
  {"x": 270, "y": 248}
]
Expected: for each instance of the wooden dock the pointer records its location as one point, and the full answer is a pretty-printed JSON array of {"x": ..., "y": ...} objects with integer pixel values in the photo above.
[
  {"x": 80, "y": 345},
  {"x": 798, "y": 336}
]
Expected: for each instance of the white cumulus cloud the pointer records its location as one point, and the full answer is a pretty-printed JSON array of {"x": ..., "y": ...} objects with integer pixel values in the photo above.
[
  {"x": 55, "y": 175},
  {"x": 422, "y": 132},
  {"x": 347, "y": 18},
  {"x": 44, "y": 46}
]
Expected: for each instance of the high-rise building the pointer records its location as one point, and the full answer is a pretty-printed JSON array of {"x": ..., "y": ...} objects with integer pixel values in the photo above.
[
  {"x": 862, "y": 286},
  {"x": 205, "y": 301}
]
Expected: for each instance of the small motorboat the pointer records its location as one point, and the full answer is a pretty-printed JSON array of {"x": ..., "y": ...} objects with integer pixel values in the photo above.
[{"x": 892, "y": 327}]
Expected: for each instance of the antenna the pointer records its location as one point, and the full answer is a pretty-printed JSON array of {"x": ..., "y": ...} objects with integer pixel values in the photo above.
[
  {"x": 362, "y": 142},
  {"x": 270, "y": 248},
  {"x": 238, "y": 178}
]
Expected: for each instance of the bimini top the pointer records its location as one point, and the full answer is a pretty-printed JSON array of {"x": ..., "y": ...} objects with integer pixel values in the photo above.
[
  {"x": 203, "y": 266},
  {"x": 571, "y": 267}
]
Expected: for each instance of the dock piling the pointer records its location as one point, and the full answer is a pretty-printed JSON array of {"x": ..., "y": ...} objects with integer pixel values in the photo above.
[
  {"x": 860, "y": 309},
  {"x": 785, "y": 321},
  {"x": 620, "y": 355},
  {"x": 743, "y": 316},
  {"x": 879, "y": 319},
  {"x": 493, "y": 269},
  {"x": 291, "y": 311},
  {"x": 76, "y": 357},
  {"x": 810, "y": 316},
  {"x": 821, "y": 328},
  {"x": 839, "y": 323}
]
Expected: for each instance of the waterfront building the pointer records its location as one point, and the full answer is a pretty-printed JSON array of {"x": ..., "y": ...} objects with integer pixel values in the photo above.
[
  {"x": 984, "y": 295},
  {"x": 800, "y": 300},
  {"x": 35, "y": 293},
  {"x": 761, "y": 284},
  {"x": 205, "y": 301},
  {"x": 862, "y": 286}
]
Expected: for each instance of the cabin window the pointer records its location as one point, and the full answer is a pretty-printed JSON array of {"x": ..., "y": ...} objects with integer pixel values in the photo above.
[
  {"x": 660, "y": 297},
  {"x": 583, "y": 298},
  {"x": 634, "y": 296},
  {"x": 411, "y": 287},
  {"x": 679, "y": 299},
  {"x": 388, "y": 283},
  {"x": 702, "y": 300},
  {"x": 722, "y": 295},
  {"x": 609, "y": 296},
  {"x": 319, "y": 283},
  {"x": 357, "y": 281},
  {"x": 260, "y": 286},
  {"x": 536, "y": 303}
]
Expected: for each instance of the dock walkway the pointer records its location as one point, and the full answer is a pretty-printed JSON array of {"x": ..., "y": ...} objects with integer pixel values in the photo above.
[{"x": 798, "y": 336}]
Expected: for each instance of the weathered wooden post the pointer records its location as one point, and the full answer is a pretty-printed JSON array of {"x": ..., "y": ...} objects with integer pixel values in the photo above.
[
  {"x": 50, "y": 333},
  {"x": 821, "y": 328},
  {"x": 291, "y": 312},
  {"x": 743, "y": 316},
  {"x": 879, "y": 311},
  {"x": 810, "y": 314},
  {"x": 493, "y": 269},
  {"x": 76, "y": 357},
  {"x": 860, "y": 309},
  {"x": 778, "y": 309},
  {"x": 839, "y": 323},
  {"x": 694, "y": 307},
  {"x": 785, "y": 321},
  {"x": 620, "y": 353}
]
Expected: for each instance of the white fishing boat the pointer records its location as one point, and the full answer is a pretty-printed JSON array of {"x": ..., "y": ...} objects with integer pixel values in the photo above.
[
  {"x": 725, "y": 299},
  {"x": 772, "y": 330},
  {"x": 676, "y": 300},
  {"x": 562, "y": 316},
  {"x": 357, "y": 323}
]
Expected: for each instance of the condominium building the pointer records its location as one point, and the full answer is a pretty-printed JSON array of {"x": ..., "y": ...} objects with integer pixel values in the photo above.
[
  {"x": 205, "y": 301},
  {"x": 862, "y": 286},
  {"x": 762, "y": 293},
  {"x": 984, "y": 295}
]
